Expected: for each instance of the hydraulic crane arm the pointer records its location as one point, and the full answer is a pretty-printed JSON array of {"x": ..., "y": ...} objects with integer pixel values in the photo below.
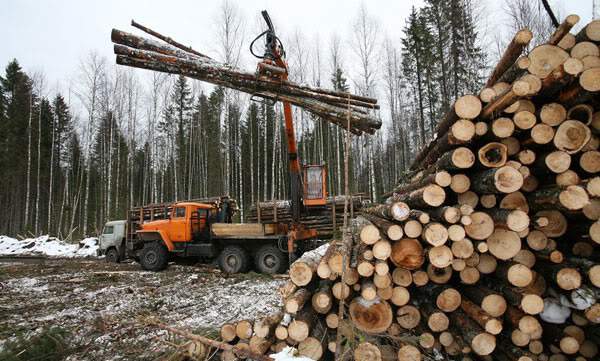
[{"x": 273, "y": 65}]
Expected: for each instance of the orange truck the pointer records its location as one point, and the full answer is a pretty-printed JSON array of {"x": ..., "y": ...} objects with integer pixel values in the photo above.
[{"x": 155, "y": 234}]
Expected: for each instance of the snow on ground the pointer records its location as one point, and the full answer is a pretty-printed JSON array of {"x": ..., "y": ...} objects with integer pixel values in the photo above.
[
  {"x": 103, "y": 305},
  {"x": 289, "y": 354},
  {"x": 48, "y": 246}
]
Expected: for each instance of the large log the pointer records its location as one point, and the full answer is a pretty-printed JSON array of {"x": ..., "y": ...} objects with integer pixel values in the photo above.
[
  {"x": 591, "y": 32},
  {"x": 511, "y": 53},
  {"x": 302, "y": 270},
  {"x": 370, "y": 316},
  {"x": 563, "y": 29},
  {"x": 498, "y": 180},
  {"x": 428, "y": 196},
  {"x": 407, "y": 253}
]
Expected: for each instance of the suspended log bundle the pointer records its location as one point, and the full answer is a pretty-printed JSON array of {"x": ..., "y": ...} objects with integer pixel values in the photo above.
[
  {"x": 169, "y": 56},
  {"x": 326, "y": 220}
]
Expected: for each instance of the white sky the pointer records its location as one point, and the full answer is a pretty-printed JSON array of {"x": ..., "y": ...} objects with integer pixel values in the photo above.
[{"x": 53, "y": 36}]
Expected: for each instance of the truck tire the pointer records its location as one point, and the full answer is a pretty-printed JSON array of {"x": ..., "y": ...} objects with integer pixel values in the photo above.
[
  {"x": 270, "y": 260},
  {"x": 112, "y": 255},
  {"x": 233, "y": 259},
  {"x": 154, "y": 257}
]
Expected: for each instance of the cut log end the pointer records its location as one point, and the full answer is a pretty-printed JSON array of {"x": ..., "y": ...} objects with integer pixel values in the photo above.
[
  {"x": 508, "y": 179},
  {"x": 574, "y": 198},
  {"x": 467, "y": 107},
  {"x": 434, "y": 195},
  {"x": 493, "y": 155},
  {"x": 483, "y": 344},
  {"x": 571, "y": 136},
  {"x": 371, "y": 317},
  {"x": 409, "y": 353},
  {"x": 367, "y": 352}
]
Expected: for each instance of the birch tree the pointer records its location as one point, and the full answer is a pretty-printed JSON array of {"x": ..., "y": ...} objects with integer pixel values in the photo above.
[
  {"x": 365, "y": 42},
  {"x": 92, "y": 73}
]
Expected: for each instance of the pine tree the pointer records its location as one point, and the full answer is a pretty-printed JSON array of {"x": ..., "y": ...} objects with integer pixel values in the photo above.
[
  {"x": 412, "y": 65},
  {"x": 437, "y": 12},
  {"x": 214, "y": 147},
  {"x": 182, "y": 102},
  {"x": 17, "y": 95},
  {"x": 466, "y": 58},
  {"x": 339, "y": 81},
  {"x": 63, "y": 127}
]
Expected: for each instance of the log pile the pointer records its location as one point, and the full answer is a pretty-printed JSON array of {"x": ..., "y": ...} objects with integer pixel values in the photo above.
[
  {"x": 325, "y": 220},
  {"x": 488, "y": 250},
  {"x": 171, "y": 57}
]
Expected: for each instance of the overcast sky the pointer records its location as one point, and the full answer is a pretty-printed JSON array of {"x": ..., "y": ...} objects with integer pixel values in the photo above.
[{"x": 53, "y": 36}]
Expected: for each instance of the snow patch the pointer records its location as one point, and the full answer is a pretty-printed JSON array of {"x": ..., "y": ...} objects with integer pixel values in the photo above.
[
  {"x": 30, "y": 284},
  {"x": 367, "y": 303},
  {"x": 316, "y": 253},
  {"x": 289, "y": 354},
  {"x": 48, "y": 246},
  {"x": 554, "y": 312}
]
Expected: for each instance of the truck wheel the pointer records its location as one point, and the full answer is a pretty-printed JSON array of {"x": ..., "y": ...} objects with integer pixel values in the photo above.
[
  {"x": 154, "y": 257},
  {"x": 233, "y": 259},
  {"x": 269, "y": 259},
  {"x": 112, "y": 256}
]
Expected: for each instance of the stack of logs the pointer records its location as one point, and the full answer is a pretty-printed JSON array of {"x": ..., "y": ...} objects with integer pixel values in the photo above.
[
  {"x": 488, "y": 250},
  {"x": 326, "y": 220}
]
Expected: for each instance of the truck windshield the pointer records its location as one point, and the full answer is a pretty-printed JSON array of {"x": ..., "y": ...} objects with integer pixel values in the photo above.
[{"x": 108, "y": 230}]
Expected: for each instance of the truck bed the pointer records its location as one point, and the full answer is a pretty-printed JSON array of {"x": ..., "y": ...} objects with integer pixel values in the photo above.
[{"x": 245, "y": 230}]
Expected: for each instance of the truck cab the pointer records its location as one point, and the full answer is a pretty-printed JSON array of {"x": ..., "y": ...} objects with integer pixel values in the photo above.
[
  {"x": 112, "y": 240},
  {"x": 158, "y": 233}
]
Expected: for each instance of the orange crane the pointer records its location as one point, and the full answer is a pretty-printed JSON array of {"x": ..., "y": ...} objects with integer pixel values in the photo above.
[{"x": 313, "y": 191}]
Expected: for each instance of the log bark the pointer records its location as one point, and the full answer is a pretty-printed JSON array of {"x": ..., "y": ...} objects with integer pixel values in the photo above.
[
  {"x": 428, "y": 196},
  {"x": 498, "y": 180},
  {"x": 393, "y": 231},
  {"x": 302, "y": 270},
  {"x": 591, "y": 32},
  {"x": 397, "y": 211},
  {"x": 563, "y": 29},
  {"x": 295, "y": 302},
  {"x": 299, "y": 329},
  {"x": 481, "y": 342},
  {"x": 265, "y": 327},
  {"x": 510, "y": 55}
]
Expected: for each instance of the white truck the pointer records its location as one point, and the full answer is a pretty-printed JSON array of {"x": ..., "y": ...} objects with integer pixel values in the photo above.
[{"x": 112, "y": 241}]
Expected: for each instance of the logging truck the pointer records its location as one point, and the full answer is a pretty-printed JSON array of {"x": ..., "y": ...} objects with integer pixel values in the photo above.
[{"x": 157, "y": 233}]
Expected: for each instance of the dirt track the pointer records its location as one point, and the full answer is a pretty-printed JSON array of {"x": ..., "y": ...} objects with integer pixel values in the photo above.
[{"x": 102, "y": 306}]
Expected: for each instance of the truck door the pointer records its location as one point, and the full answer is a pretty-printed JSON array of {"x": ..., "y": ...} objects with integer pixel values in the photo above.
[
  {"x": 200, "y": 227},
  {"x": 178, "y": 225}
]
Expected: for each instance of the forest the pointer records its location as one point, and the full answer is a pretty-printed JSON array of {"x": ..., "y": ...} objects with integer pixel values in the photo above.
[{"x": 142, "y": 137}]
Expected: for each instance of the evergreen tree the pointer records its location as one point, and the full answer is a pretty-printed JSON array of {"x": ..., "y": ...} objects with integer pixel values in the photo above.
[
  {"x": 437, "y": 12},
  {"x": 339, "y": 81},
  {"x": 466, "y": 58},
  {"x": 182, "y": 104},
  {"x": 63, "y": 128},
  {"x": 412, "y": 66},
  {"x": 214, "y": 148},
  {"x": 17, "y": 99}
]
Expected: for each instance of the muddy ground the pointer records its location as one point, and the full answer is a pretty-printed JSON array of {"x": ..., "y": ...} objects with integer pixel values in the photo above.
[{"x": 103, "y": 308}]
